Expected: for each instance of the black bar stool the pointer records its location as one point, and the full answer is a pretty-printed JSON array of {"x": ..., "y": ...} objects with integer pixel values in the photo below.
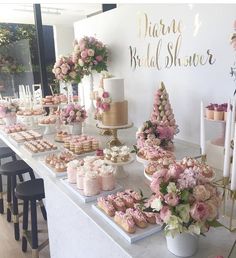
[
  {"x": 11, "y": 170},
  {"x": 5, "y": 152},
  {"x": 31, "y": 191}
]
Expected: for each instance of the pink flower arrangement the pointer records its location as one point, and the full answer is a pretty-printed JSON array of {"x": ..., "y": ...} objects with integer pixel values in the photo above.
[
  {"x": 183, "y": 199},
  {"x": 8, "y": 109},
  {"x": 90, "y": 54},
  {"x": 73, "y": 113},
  {"x": 152, "y": 133},
  {"x": 64, "y": 70}
]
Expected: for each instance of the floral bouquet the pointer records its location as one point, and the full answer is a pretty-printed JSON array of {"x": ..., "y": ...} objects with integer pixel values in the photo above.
[
  {"x": 8, "y": 109},
  {"x": 152, "y": 133},
  {"x": 185, "y": 198},
  {"x": 64, "y": 70},
  {"x": 73, "y": 113},
  {"x": 90, "y": 54}
]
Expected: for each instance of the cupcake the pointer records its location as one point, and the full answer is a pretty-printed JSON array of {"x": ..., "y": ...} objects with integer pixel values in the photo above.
[
  {"x": 219, "y": 113},
  {"x": 210, "y": 111}
]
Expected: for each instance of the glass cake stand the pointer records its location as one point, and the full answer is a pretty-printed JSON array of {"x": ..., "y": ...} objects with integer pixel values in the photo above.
[
  {"x": 118, "y": 166},
  {"x": 113, "y": 129}
]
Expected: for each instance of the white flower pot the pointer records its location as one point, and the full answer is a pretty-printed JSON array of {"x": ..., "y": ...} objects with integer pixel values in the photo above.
[
  {"x": 75, "y": 128},
  {"x": 183, "y": 245}
]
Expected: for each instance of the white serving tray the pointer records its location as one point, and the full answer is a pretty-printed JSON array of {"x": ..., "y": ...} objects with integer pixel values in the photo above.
[
  {"x": 53, "y": 172},
  {"x": 38, "y": 154},
  {"x": 86, "y": 199},
  {"x": 139, "y": 234}
]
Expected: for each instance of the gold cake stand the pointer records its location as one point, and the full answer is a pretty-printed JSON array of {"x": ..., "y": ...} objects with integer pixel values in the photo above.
[{"x": 112, "y": 131}]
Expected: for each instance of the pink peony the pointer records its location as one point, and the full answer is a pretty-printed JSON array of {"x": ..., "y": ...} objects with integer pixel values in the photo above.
[
  {"x": 171, "y": 199},
  {"x": 105, "y": 94},
  {"x": 98, "y": 58},
  {"x": 199, "y": 211},
  {"x": 165, "y": 213},
  {"x": 212, "y": 209},
  {"x": 175, "y": 170},
  {"x": 155, "y": 185}
]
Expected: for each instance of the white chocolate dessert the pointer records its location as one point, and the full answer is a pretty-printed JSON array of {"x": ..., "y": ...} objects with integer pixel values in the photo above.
[{"x": 117, "y": 154}]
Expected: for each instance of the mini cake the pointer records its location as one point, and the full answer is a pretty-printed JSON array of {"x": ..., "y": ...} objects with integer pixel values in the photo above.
[
  {"x": 80, "y": 178},
  {"x": 72, "y": 171},
  {"x": 117, "y": 154},
  {"x": 125, "y": 221},
  {"x": 107, "y": 178},
  {"x": 91, "y": 184}
]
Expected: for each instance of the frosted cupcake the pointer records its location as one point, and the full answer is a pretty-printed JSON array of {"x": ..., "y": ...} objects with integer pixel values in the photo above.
[
  {"x": 72, "y": 170},
  {"x": 107, "y": 178},
  {"x": 91, "y": 184}
]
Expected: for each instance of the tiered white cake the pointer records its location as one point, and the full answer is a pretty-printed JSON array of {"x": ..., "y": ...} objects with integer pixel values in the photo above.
[{"x": 118, "y": 112}]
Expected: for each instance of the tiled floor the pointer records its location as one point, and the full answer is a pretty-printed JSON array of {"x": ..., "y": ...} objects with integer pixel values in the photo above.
[{"x": 9, "y": 248}]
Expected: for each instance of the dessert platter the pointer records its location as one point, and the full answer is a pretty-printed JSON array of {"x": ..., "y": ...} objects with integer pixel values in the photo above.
[
  {"x": 123, "y": 212},
  {"x": 49, "y": 123},
  {"x": 81, "y": 144},
  {"x": 57, "y": 163},
  {"x": 147, "y": 154},
  {"x": 90, "y": 178},
  {"x": 40, "y": 147},
  {"x": 118, "y": 157},
  {"x": 24, "y": 136},
  {"x": 19, "y": 127},
  {"x": 155, "y": 166}
]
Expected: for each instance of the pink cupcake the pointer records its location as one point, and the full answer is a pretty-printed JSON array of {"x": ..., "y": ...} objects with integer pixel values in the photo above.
[
  {"x": 72, "y": 171},
  {"x": 107, "y": 178}
]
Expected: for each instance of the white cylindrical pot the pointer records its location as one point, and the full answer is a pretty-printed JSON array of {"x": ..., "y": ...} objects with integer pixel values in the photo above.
[
  {"x": 183, "y": 245},
  {"x": 75, "y": 128}
]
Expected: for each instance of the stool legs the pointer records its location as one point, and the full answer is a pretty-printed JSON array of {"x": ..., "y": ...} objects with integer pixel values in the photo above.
[
  {"x": 43, "y": 210},
  {"x": 9, "y": 199},
  {"x": 34, "y": 229},
  {"x": 25, "y": 225},
  {"x": 1, "y": 197},
  {"x": 15, "y": 209}
]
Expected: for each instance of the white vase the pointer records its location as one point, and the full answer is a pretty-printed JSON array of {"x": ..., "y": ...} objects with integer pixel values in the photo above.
[
  {"x": 75, "y": 128},
  {"x": 9, "y": 120},
  {"x": 183, "y": 245}
]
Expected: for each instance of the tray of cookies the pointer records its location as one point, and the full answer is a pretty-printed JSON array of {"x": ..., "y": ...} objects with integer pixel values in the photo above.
[
  {"x": 122, "y": 211},
  {"x": 40, "y": 147},
  {"x": 19, "y": 127},
  {"x": 24, "y": 136}
]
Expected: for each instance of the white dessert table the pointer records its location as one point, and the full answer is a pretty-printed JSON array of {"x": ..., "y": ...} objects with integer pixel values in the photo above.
[{"x": 76, "y": 230}]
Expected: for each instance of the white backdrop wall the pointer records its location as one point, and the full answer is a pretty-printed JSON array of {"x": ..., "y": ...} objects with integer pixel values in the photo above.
[{"x": 203, "y": 27}]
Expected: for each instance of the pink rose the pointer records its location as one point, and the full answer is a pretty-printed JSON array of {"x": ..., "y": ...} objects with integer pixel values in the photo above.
[
  {"x": 64, "y": 70},
  {"x": 200, "y": 193},
  {"x": 212, "y": 209},
  {"x": 199, "y": 211},
  {"x": 105, "y": 94},
  {"x": 155, "y": 185},
  {"x": 165, "y": 213},
  {"x": 99, "y": 58},
  {"x": 84, "y": 54},
  {"x": 105, "y": 106},
  {"x": 171, "y": 199},
  {"x": 57, "y": 71}
]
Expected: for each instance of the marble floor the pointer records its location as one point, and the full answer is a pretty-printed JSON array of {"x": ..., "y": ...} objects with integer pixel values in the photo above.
[{"x": 9, "y": 248}]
